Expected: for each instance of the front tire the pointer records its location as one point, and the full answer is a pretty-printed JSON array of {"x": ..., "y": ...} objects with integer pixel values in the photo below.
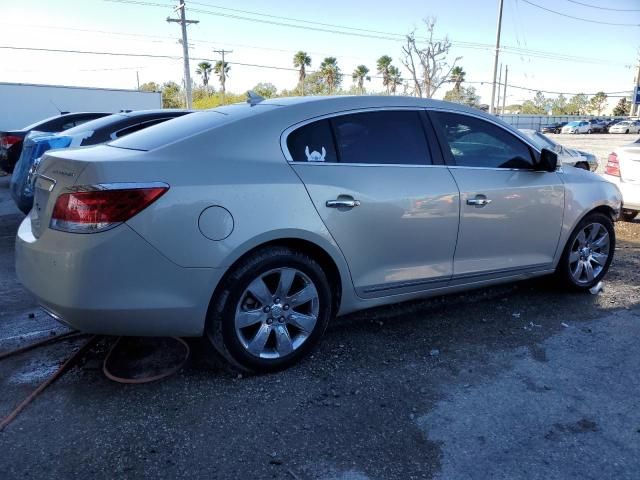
[
  {"x": 272, "y": 310},
  {"x": 588, "y": 253}
]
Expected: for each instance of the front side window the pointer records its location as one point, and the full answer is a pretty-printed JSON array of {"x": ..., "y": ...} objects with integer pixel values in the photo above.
[{"x": 474, "y": 142}]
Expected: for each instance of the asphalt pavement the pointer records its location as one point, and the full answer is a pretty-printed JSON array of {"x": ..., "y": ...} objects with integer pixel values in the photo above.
[{"x": 522, "y": 381}]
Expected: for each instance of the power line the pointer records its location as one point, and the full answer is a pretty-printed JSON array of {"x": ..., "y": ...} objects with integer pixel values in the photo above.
[
  {"x": 605, "y": 8},
  {"x": 272, "y": 67},
  {"x": 580, "y": 18},
  {"x": 459, "y": 44}
]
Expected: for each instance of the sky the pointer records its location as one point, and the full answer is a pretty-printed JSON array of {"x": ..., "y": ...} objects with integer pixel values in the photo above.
[{"x": 585, "y": 56}]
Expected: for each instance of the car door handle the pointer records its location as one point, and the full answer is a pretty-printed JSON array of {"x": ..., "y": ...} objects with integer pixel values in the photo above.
[
  {"x": 345, "y": 202},
  {"x": 478, "y": 202}
]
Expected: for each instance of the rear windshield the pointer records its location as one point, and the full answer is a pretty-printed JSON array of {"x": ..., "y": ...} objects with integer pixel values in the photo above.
[
  {"x": 169, "y": 132},
  {"x": 94, "y": 125}
]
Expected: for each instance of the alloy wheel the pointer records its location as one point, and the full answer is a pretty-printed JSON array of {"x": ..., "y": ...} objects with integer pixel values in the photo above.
[
  {"x": 276, "y": 313},
  {"x": 589, "y": 253}
]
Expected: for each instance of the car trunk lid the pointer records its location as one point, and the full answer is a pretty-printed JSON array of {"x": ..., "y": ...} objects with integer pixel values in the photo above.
[
  {"x": 53, "y": 176},
  {"x": 629, "y": 158}
]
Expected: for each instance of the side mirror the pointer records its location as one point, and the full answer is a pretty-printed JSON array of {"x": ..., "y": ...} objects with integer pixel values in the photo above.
[{"x": 548, "y": 161}]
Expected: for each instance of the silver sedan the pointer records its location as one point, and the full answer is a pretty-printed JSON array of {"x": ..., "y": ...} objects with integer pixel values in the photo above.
[{"x": 255, "y": 224}]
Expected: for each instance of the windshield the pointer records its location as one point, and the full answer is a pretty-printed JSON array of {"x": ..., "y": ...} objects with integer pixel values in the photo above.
[
  {"x": 573, "y": 124},
  {"x": 541, "y": 141}
]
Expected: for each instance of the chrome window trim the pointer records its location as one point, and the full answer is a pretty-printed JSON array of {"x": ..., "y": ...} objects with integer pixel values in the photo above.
[{"x": 285, "y": 135}]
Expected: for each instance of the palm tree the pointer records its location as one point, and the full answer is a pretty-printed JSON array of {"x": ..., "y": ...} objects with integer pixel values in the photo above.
[
  {"x": 457, "y": 77},
  {"x": 204, "y": 69},
  {"x": 384, "y": 63},
  {"x": 359, "y": 75},
  {"x": 301, "y": 61},
  {"x": 330, "y": 72},
  {"x": 395, "y": 78},
  {"x": 222, "y": 74}
]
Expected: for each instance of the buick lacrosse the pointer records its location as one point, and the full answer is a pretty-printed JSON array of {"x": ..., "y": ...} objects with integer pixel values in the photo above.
[{"x": 255, "y": 224}]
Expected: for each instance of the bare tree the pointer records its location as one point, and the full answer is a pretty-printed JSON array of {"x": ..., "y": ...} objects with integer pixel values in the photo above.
[{"x": 427, "y": 62}]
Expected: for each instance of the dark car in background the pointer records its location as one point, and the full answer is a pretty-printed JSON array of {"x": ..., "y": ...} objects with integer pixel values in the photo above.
[
  {"x": 553, "y": 127},
  {"x": 11, "y": 141},
  {"x": 90, "y": 133}
]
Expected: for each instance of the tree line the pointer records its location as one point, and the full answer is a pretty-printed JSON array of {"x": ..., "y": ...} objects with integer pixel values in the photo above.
[
  {"x": 425, "y": 58},
  {"x": 579, "y": 104}
]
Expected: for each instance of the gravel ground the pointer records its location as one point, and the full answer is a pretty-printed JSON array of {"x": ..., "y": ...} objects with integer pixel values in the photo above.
[
  {"x": 520, "y": 381},
  {"x": 600, "y": 144}
]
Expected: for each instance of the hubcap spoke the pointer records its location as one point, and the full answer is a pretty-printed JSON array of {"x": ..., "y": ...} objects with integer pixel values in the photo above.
[
  {"x": 588, "y": 268},
  {"x": 284, "y": 345},
  {"x": 259, "y": 289},
  {"x": 574, "y": 257},
  {"x": 287, "y": 276},
  {"x": 303, "y": 296},
  {"x": 599, "y": 258},
  {"x": 577, "y": 273},
  {"x": 250, "y": 317},
  {"x": 595, "y": 229},
  {"x": 256, "y": 346},
  {"x": 581, "y": 239},
  {"x": 602, "y": 242},
  {"x": 303, "y": 322}
]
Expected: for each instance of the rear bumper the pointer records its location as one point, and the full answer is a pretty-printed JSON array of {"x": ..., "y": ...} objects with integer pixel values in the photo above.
[
  {"x": 113, "y": 283},
  {"x": 630, "y": 192}
]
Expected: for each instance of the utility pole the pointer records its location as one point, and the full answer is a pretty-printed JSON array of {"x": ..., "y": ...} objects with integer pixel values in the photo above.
[
  {"x": 138, "y": 79},
  {"x": 223, "y": 72},
  {"x": 504, "y": 93},
  {"x": 497, "y": 107},
  {"x": 635, "y": 94},
  {"x": 185, "y": 47},
  {"x": 495, "y": 59}
]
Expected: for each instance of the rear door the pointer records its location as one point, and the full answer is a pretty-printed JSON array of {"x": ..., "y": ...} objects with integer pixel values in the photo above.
[
  {"x": 510, "y": 214},
  {"x": 384, "y": 195}
]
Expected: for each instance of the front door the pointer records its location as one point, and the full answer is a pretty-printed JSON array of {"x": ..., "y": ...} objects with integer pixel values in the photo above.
[
  {"x": 510, "y": 214},
  {"x": 391, "y": 211}
]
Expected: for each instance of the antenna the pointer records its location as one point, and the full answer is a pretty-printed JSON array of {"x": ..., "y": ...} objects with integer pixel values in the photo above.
[
  {"x": 253, "y": 98},
  {"x": 56, "y": 107}
]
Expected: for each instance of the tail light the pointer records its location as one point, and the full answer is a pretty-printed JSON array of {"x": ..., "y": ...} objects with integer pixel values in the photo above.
[
  {"x": 8, "y": 141},
  {"x": 102, "y": 208},
  {"x": 613, "y": 165}
]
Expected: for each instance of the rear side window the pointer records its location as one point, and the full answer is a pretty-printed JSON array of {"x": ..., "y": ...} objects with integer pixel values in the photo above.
[
  {"x": 477, "y": 143},
  {"x": 312, "y": 143},
  {"x": 383, "y": 137}
]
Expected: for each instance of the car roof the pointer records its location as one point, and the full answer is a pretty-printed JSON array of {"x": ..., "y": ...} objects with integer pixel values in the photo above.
[{"x": 282, "y": 113}]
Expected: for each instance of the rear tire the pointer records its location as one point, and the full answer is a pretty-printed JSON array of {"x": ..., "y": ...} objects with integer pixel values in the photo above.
[
  {"x": 271, "y": 310},
  {"x": 629, "y": 215},
  {"x": 588, "y": 253}
]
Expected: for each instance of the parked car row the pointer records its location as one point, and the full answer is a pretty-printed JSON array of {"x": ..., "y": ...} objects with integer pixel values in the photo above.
[
  {"x": 94, "y": 132},
  {"x": 593, "y": 126},
  {"x": 255, "y": 224},
  {"x": 11, "y": 141}
]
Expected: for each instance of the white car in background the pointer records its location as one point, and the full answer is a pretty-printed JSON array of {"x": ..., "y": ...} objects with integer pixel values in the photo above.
[
  {"x": 628, "y": 126},
  {"x": 623, "y": 169},
  {"x": 578, "y": 126},
  {"x": 566, "y": 156}
]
